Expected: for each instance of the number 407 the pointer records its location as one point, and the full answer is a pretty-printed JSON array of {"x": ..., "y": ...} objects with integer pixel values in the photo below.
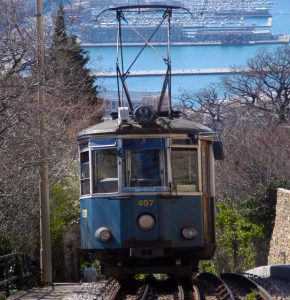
[{"x": 145, "y": 203}]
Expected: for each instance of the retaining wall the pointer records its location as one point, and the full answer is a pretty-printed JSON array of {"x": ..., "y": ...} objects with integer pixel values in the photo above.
[{"x": 280, "y": 243}]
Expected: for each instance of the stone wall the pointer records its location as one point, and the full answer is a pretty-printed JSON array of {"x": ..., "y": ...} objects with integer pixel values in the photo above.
[{"x": 280, "y": 243}]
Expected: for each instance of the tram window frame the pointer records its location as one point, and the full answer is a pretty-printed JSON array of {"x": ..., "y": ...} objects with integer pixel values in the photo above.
[
  {"x": 85, "y": 172},
  {"x": 206, "y": 168},
  {"x": 105, "y": 185},
  {"x": 127, "y": 169},
  {"x": 176, "y": 144},
  {"x": 84, "y": 147}
]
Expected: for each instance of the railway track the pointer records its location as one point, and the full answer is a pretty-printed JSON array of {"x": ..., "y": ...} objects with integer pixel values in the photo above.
[
  {"x": 152, "y": 290},
  {"x": 187, "y": 291},
  {"x": 277, "y": 291},
  {"x": 215, "y": 286},
  {"x": 244, "y": 286},
  {"x": 206, "y": 286},
  {"x": 232, "y": 286}
]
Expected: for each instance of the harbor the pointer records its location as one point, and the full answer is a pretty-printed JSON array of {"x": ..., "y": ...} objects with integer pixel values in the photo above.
[
  {"x": 206, "y": 55},
  {"x": 207, "y": 22},
  {"x": 190, "y": 34}
]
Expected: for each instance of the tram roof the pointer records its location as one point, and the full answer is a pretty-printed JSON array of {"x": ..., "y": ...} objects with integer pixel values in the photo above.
[{"x": 162, "y": 125}]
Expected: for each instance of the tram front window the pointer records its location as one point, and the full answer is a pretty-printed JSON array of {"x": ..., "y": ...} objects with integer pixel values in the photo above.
[
  {"x": 144, "y": 163},
  {"x": 105, "y": 171},
  {"x": 145, "y": 168},
  {"x": 184, "y": 169}
]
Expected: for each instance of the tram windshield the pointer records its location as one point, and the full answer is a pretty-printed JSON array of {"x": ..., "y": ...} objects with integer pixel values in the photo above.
[
  {"x": 144, "y": 163},
  {"x": 145, "y": 168},
  {"x": 139, "y": 165}
]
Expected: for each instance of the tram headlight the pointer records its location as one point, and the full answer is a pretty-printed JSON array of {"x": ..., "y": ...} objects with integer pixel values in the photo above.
[
  {"x": 189, "y": 232},
  {"x": 146, "y": 222},
  {"x": 103, "y": 234}
]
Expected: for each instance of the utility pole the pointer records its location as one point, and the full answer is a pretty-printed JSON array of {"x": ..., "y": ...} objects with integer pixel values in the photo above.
[{"x": 45, "y": 245}]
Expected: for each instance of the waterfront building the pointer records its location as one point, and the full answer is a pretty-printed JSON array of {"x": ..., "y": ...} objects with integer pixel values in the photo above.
[
  {"x": 102, "y": 34},
  {"x": 232, "y": 35},
  {"x": 108, "y": 34},
  {"x": 215, "y": 21},
  {"x": 110, "y": 100}
]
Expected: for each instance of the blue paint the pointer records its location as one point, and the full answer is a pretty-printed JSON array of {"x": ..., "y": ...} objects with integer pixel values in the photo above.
[
  {"x": 120, "y": 216},
  {"x": 178, "y": 213},
  {"x": 144, "y": 144},
  {"x": 103, "y": 143}
]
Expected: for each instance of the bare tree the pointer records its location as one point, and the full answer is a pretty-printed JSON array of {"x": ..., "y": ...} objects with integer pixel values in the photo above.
[
  {"x": 15, "y": 38},
  {"x": 67, "y": 110},
  {"x": 210, "y": 104},
  {"x": 252, "y": 119},
  {"x": 256, "y": 152},
  {"x": 265, "y": 85}
]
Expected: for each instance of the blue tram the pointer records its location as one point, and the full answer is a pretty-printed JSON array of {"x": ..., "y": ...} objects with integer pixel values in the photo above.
[
  {"x": 147, "y": 193},
  {"x": 147, "y": 179}
]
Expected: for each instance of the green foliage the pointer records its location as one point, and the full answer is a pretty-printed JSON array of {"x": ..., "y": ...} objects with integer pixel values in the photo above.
[
  {"x": 69, "y": 60},
  {"x": 252, "y": 295},
  {"x": 64, "y": 213},
  {"x": 64, "y": 205},
  {"x": 161, "y": 276},
  {"x": 9, "y": 242},
  {"x": 260, "y": 206},
  {"x": 59, "y": 36},
  {"x": 245, "y": 225},
  {"x": 141, "y": 277},
  {"x": 97, "y": 266},
  {"x": 2, "y": 297},
  {"x": 207, "y": 266},
  {"x": 236, "y": 235},
  {"x": 5, "y": 244}
]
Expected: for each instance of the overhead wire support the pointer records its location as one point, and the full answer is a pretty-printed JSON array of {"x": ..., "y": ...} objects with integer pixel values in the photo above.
[
  {"x": 169, "y": 12},
  {"x": 119, "y": 35},
  {"x": 147, "y": 43},
  {"x": 167, "y": 79},
  {"x": 122, "y": 75},
  {"x": 117, "y": 67},
  {"x": 128, "y": 8},
  {"x": 120, "y": 16}
]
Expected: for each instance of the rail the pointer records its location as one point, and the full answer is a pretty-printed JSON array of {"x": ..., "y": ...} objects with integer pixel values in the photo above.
[
  {"x": 224, "y": 292},
  {"x": 16, "y": 272},
  {"x": 180, "y": 292},
  {"x": 197, "y": 293},
  {"x": 248, "y": 282}
]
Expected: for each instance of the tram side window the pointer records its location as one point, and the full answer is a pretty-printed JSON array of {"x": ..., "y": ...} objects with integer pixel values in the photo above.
[
  {"x": 205, "y": 157},
  {"x": 105, "y": 171},
  {"x": 85, "y": 173},
  {"x": 184, "y": 164}
]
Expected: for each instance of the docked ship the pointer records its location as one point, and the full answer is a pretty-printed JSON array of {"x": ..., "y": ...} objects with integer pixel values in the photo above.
[{"x": 186, "y": 34}]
